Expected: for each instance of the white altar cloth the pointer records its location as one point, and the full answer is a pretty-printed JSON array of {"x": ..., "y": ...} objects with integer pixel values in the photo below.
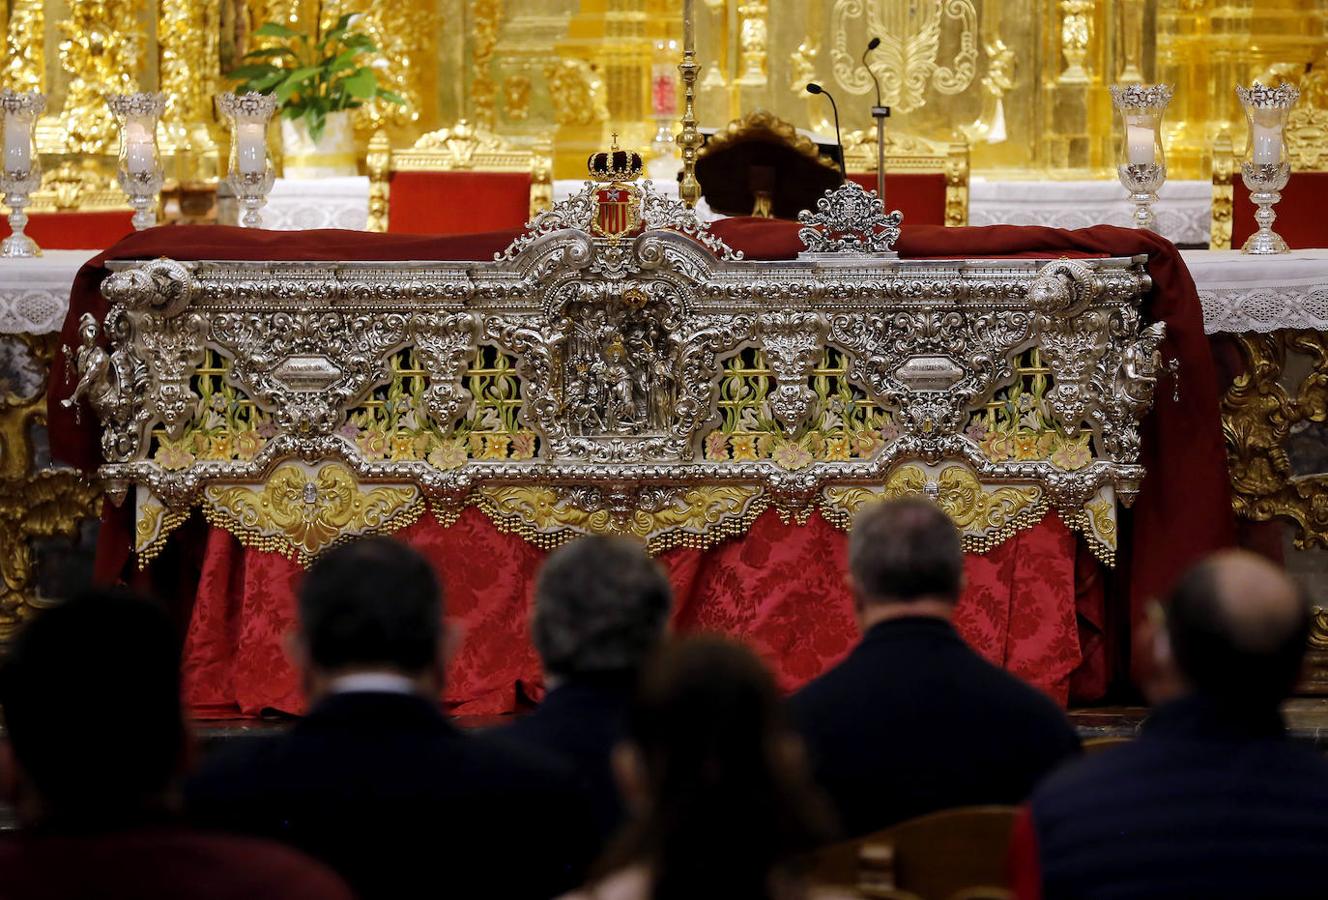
[
  {"x": 34, "y": 293},
  {"x": 298, "y": 205},
  {"x": 1184, "y": 208},
  {"x": 1260, "y": 293}
]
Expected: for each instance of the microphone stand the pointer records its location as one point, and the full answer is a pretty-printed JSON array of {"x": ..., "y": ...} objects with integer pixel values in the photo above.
[
  {"x": 880, "y": 113},
  {"x": 815, "y": 88}
]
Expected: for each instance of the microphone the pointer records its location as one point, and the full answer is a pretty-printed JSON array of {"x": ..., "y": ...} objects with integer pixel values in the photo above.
[
  {"x": 880, "y": 113},
  {"x": 872, "y": 45},
  {"x": 814, "y": 88}
]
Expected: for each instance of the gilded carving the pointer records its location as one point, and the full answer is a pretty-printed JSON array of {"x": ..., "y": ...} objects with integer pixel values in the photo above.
[
  {"x": 25, "y": 46},
  {"x": 100, "y": 49},
  {"x": 1076, "y": 32},
  {"x": 906, "y": 60},
  {"x": 486, "y": 16},
  {"x": 1259, "y": 415},
  {"x": 33, "y": 505},
  {"x": 577, "y": 92},
  {"x": 301, "y": 512}
]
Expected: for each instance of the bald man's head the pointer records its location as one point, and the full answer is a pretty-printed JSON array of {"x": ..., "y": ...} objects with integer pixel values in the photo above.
[{"x": 1238, "y": 627}]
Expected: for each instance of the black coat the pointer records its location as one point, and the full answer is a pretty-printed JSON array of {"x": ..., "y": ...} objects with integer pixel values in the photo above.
[
  {"x": 580, "y": 721},
  {"x": 387, "y": 792},
  {"x": 914, "y": 721},
  {"x": 1204, "y": 804}
]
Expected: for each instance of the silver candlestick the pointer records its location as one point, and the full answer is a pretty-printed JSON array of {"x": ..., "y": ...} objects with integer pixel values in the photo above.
[
  {"x": 139, "y": 169},
  {"x": 1142, "y": 166},
  {"x": 1266, "y": 169},
  {"x": 20, "y": 174},
  {"x": 251, "y": 174}
]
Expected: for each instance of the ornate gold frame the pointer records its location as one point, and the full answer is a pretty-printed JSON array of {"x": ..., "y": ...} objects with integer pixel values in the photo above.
[
  {"x": 1259, "y": 414},
  {"x": 463, "y": 147}
]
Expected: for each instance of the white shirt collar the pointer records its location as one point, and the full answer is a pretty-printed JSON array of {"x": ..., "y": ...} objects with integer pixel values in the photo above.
[{"x": 372, "y": 682}]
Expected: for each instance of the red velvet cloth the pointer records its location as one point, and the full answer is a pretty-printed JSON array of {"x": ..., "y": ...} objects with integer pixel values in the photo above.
[
  {"x": 1300, "y": 218},
  {"x": 920, "y": 196},
  {"x": 457, "y": 202},
  {"x": 780, "y": 586},
  {"x": 79, "y": 230}
]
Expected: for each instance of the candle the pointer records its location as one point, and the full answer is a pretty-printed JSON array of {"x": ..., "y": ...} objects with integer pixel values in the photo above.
[
  {"x": 139, "y": 156},
  {"x": 688, "y": 26},
  {"x": 251, "y": 148},
  {"x": 18, "y": 146},
  {"x": 1139, "y": 145},
  {"x": 1267, "y": 145}
]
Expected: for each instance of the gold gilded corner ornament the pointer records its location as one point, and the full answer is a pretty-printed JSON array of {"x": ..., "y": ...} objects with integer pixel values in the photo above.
[
  {"x": 300, "y": 511},
  {"x": 664, "y": 517},
  {"x": 1259, "y": 416}
]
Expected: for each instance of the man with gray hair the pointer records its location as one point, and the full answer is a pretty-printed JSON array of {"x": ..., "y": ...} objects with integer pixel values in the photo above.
[
  {"x": 601, "y": 608},
  {"x": 913, "y": 720}
]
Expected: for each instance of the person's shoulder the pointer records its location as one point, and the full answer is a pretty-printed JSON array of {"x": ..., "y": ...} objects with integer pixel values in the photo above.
[
  {"x": 1080, "y": 780},
  {"x": 259, "y": 869},
  {"x": 521, "y": 760}
]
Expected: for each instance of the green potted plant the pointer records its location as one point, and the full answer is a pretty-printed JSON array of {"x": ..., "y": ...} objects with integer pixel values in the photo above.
[{"x": 318, "y": 79}]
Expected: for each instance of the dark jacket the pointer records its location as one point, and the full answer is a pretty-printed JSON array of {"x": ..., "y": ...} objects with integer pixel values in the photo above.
[
  {"x": 386, "y": 791},
  {"x": 580, "y": 721},
  {"x": 1206, "y": 803},
  {"x": 914, "y": 721},
  {"x": 157, "y": 861}
]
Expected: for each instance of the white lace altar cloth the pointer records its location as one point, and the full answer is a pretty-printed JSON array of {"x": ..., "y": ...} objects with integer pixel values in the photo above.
[
  {"x": 298, "y": 205},
  {"x": 1260, "y": 293},
  {"x": 1183, "y": 209},
  {"x": 34, "y": 293}
]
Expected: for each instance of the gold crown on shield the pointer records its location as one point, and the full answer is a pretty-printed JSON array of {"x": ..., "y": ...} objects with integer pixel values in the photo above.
[{"x": 615, "y": 164}]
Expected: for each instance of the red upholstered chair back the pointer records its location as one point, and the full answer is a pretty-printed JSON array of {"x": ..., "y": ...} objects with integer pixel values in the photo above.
[
  {"x": 76, "y": 230},
  {"x": 457, "y": 202},
  {"x": 1300, "y": 212},
  {"x": 920, "y": 196},
  {"x": 1300, "y": 219},
  {"x": 79, "y": 207},
  {"x": 925, "y": 180},
  {"x": 459, "y": 180}
]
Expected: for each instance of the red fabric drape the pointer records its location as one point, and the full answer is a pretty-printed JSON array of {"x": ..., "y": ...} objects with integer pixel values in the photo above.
[
  {"x": 457, "y": 202},
  {"x": 780, "y": 588},
  {"x": 1182, "y": 513},
  {"x": 920, "y": 196},
  {"x": 1299, "y": 220},
  {"x": 79, "y": 230}
]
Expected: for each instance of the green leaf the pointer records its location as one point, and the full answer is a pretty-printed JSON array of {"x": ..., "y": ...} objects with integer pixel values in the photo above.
[
  {"x": 360, "y": 42},
  {"x": 263, "y": 85},
  {"x": 294, "y": 81},
  {"x": 391, "y": 97},
  {"x": 270, "y": 53},
  {"x": 343, "y": 61},
  {"x": 258, "y": 70},
  {"x": 361, "y": 83},
  {"x": 277, "y": 30},
  {"x": 317, "y": 121}
]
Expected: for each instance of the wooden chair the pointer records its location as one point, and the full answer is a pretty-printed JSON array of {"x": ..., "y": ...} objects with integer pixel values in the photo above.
[
  {"x": 1098, "y": 745},
  {"x": 1300, "y": 217},
  {"x": 955, "y": 854},
  {"x": 458, "y": 180},
  {"x": 78, "y": 209},
  {"x": 926, "y": 180}
]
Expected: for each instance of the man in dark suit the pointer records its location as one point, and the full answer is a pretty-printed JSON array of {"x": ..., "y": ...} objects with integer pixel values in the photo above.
[
  {"x": 601, "y": 607},
  {"x": 913, "y": 720},
  {"x": 1212, "y": 800},
  {"x": 374, "y": 780},
  {"x": 96, "y": 745}
]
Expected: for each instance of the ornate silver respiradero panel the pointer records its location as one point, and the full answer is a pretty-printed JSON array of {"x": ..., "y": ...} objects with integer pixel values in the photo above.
[{"x": 657, "y": 385}]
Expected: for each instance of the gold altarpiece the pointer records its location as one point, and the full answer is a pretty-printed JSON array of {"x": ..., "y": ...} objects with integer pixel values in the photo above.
[{"x": 1023, "y": 81}]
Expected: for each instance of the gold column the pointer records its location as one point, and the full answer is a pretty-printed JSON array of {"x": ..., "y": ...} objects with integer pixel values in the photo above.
[
  {"x": 100, "y": 50},
  {"x": 753, "y": 36},
  {"x": 485, "y": 17},
  {"x": 1132, "y": 41},
  {"x": 25, "y": 46},
  {"x": 188, "y": 39}
]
